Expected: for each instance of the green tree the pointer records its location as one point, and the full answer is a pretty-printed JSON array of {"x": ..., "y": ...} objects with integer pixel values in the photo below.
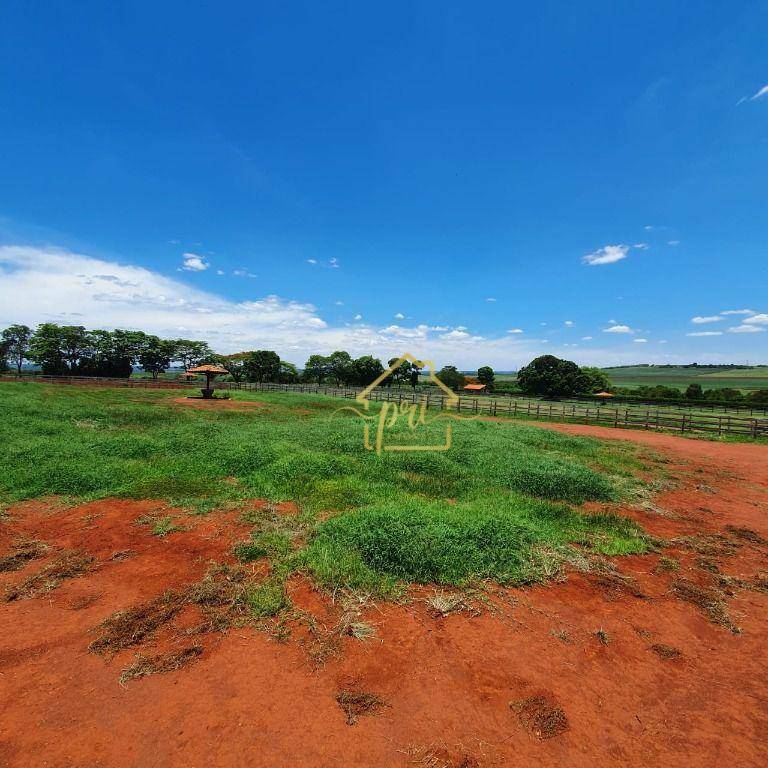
[
  {"x": 14, "y": 344},
  {"x": 340, "y": 367},
  {"x": 190, "y": 353},
  {"x": 156, "y": 354},
  {"x": 550, "y": 377},
  {"x": 597, "y": 379},
  {"x": 451, "y": 377},
  {"x": 316, "y": 369},
  {"x": 366, "y": 370},
  {"x": 485, "y": 375},
  {"x": 262, "y": 365},
  {"x": 46, "y": 349},
  {"x": 289, "y": 374},
  {"x": 694, "y": 392}
]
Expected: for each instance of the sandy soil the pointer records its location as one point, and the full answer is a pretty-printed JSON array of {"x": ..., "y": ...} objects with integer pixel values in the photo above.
[{"x": 613, "y": 674}]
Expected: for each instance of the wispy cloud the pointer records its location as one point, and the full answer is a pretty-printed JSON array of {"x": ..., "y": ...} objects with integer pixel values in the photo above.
[
  {"x": 640, "y": 341},
  {"x": 194, "y": 263},
  {"x": 699, "y": 320},
  {"x": 399, "y": 316},
  {"x": 705, "y": 333},
  {"x": 673, "y": 242},
  {"x": 330, "y": 264},
  {"x": 568, "y": 323},
  {"x": 641, "y": 246},
  {"x": 761, "y": 319},
  {"x": 586, "y": 338},
  {"x": 490, "y": 298},
  {"x": 515, "y": 330},
  {"x": 746, "y": 329},
  {"x": 608, "y": 254},
  {"x": 759, "y": 95},
  {"x": 618, "y": 329},
  {"x": 738, "y": 312}
]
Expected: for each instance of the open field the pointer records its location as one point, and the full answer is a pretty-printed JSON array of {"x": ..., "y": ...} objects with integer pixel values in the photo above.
[
  {"x": 242, "y": 583},
  {"x": 745, "y": 379}
]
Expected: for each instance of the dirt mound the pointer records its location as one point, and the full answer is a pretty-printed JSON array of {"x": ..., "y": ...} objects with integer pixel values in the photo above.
[{"x": 539, "y": 716}]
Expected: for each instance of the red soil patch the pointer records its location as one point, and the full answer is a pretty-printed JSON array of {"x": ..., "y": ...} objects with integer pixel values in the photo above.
[
  {"x": 217, "y": 403},
  {"x": 464, "y": 689}
]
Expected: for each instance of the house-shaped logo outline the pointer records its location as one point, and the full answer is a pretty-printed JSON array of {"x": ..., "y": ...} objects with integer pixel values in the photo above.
[{"x": 452, "y": 399}]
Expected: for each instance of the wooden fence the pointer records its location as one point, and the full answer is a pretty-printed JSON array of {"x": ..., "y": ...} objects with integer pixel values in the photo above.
[{"x": 658, "y": 418}]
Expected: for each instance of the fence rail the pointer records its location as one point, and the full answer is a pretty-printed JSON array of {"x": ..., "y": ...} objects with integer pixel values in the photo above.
[{"x": 626, "y": 417}]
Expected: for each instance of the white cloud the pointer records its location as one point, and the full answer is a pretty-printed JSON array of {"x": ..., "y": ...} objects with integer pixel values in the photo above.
[
  {"x": 738, "y": 312},
  {"x": 399, "y": 316},
  {"x": 705, "y": 333},
  {"x": 194, "y": 263},
  {"x": 699, "y": 320},
  {"x": 586, "y": 338},
  {"x": 673, "y": 242},
  {"x": 606, "y": 255},
  {"x": 358, "y": 317},
  {"x": 339, "y": 303},
  {"x": 761, "y": 319},
  {"x": 640, "y": 341},
  {"x": 746, "y": 329},
  {"x": 243, "y": 272},
  {"x": 663, "y": 341},
  {"x": 759, "y": 95},
  {"x": 647, "y": 227},
  {"x": 490, "y": 298},
  {"x": 568, "y": 323},
  {"x": 333, "y": 263},
  {"x": 515, "y": 330},
  {"x": 618, "y": 329},
  {"x": 641, "y": 246},
  {"x": 219, "y": 272},
  {"x": 312, "y": 261}
]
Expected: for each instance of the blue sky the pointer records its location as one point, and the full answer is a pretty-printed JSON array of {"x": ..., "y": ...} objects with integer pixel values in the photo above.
[{"x": 476, "y": 183}]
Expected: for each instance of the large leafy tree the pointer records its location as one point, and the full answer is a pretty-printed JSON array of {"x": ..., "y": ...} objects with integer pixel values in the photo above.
[
  {"x": 451, "y": 377},
  {"x": 190, "y": 353},
  {"x": 289, "y": 374},
  {"x": 549, "y": 376},
  {"x": 14, "y": 344},
  {"x": 341, "y": 367},
  {"x": 366, "y": 370},
  {"x": 262, "y": 365},
  {"x": 46, "y": 349},
  {"x": 597, "y": 379},
  {"x": 485, "y": 375},
  {"x": 156, "y": 354},
  {"x": 316, "y": 368}
]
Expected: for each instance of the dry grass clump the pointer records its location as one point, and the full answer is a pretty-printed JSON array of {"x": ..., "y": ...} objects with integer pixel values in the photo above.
[
  {"x": 747, "y": 534},
  {"x": 130, "y": 627},
  {"x": 708, "y": 600},
  {"x": 222, "y": 596},
  {"x": 444, "y": 603},
  {"x": 68, "y": 566},
  {"x": 356, "y": 703},
  {"x": 160, "y": 663},
  {"x": 613, "y": 584},
  {"x": 539, "y": 716},
  {"x": 21, "y": 553},
  {"x": 666, "y": 652}
]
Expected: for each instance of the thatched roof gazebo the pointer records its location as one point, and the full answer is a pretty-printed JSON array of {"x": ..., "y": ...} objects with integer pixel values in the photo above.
[{"x": 210, "y": 371}]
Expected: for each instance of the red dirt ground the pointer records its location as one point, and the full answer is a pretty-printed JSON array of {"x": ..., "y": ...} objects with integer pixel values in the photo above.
[
  {"x": 219, "y": 402},
  {"x": 574, "y": 660}
]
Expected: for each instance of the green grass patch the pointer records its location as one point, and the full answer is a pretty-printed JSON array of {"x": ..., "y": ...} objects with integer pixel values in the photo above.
[{"x": 485, "y": 509}]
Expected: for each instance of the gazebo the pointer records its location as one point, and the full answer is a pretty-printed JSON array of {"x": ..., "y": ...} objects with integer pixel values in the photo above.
[{"x": 210, "y": 372}]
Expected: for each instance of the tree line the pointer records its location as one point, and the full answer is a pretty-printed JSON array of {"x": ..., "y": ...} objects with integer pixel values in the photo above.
[{"x": 73, "y": 350}]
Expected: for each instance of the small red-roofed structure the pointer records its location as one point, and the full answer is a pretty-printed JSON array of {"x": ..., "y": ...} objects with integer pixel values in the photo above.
[{"x": 210, "y": 372}]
